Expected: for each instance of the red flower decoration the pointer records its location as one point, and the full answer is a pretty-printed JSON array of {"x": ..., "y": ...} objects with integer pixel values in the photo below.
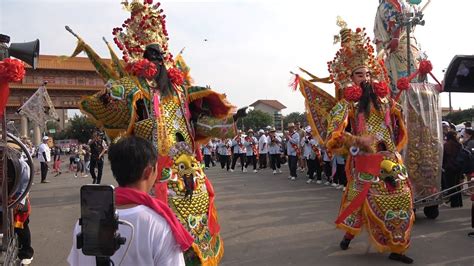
[
  {"x": 425, "y": 67},
  {"x": 176, "y": 76},
  {"x": 381, "y": 89},
  {"x": 403, "y": 84},
  {"x": 353, "y": 93},
  {"x": 142, "y": 68},
  {"x": 11, "y": 70}
]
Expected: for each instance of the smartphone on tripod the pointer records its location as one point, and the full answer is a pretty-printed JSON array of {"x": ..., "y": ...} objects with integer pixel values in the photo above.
[{"x": 99, "y": 221}]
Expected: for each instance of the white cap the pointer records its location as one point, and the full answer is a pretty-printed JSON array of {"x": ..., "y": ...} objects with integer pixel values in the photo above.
[
  {"x": 445, "y": 124},
  {"x": 261, "y": 131},
  {"x": 45, "y": 138}
]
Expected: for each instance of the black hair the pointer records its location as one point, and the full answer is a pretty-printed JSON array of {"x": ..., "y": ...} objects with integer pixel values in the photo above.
[
  {"x": 161, "y": 78},
  {"x": 129, "y": 157},
  {"x": 452, "y": 135}
]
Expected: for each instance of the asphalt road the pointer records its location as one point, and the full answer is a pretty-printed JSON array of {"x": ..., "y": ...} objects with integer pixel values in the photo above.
[{"x": 265, "y": 220}]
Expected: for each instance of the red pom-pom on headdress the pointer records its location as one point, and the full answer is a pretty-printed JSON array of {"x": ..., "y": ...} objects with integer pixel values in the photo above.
[
  {"x": 381, "y": 89},
  {"x": 403, "y": 84},
  {"x": 142, "y": 68},
  {"x": 425, "y": 67},
  {"x": 176, "y": 76},
  {"x": 353, "y": 93}
]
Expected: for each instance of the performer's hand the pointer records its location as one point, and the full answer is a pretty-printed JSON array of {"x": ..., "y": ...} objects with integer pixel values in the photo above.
[{"x": 393, "y": 45}]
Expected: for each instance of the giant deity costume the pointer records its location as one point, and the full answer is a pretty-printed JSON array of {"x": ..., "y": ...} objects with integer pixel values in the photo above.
[
  {"x": 149, "y": 94},
  {"x": 365, "y": 125},
  {"x": 391, "y": 39}
]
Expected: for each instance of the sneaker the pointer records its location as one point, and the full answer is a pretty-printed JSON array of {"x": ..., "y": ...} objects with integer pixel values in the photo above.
[
  {"x": 75, "y": 175},
  {"x": 301, "y": 169},
  {"x": 290, "y": 177},
  {"x": 231, "y": 170},
  {"x": 343, "y": 189},
  {"x": 339, "y": 187},
  {"x": 327, "y": 183},
  {"x": 293, "y": 178},
  {"x": 85, "y": 175},
  {"x": 26, "y": 261},
  {"x": 45, "y": 181},
  {"x": 309, "y": 181},
  {"x": 333, "y": 185},
  {"x": 319, "y": 182},
  {"x": 255, "y": 171},
  {"x": 274, "y": 172},
  {"x": 279, "y": 171}
]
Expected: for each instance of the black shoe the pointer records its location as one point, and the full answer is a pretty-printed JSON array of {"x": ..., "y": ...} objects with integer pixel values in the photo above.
[
  {"x": 400, "y": 257},
  {"x": 344, "y": 243}
]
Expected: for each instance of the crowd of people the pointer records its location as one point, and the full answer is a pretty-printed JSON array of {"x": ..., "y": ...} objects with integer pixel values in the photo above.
[
  {"x": 84, "y": 159},
  {"x": 295, "y": 147}
]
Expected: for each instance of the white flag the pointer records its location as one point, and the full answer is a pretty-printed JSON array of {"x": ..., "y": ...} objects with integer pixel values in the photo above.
[{"x": 39, "y": 108}]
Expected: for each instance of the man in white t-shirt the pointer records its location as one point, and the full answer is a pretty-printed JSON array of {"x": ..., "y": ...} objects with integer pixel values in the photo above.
[
  {"x": 44, "y": 156},
  {"x": 155, "y": 239}
]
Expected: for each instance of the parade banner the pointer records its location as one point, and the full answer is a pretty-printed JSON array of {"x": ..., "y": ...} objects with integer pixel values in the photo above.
[{"x": 39, "y": 108}]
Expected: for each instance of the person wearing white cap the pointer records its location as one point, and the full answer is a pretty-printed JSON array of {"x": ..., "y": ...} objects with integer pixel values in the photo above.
[
  {"x": 250, "y": 143},
  {"x": 293, "y": 150},
  {"x": 312, "y": 156},
  {"x": 274, "y": 150},
  {"x": 44, "y": 156},
  {"x": 262, "y": 148},
  {"x": 239, "y": 150}
]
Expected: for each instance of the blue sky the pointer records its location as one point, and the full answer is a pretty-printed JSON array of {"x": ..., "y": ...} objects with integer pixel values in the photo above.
[{"x": 252, "y": 45}]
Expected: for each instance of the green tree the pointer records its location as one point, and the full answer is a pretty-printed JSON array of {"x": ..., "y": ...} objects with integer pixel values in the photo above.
[
  {"x": 293, "y": 118},
  {"x": 255, "y": 120},
  {"x": 80, "y": 128},
  {"x": 461, "y": 116}
]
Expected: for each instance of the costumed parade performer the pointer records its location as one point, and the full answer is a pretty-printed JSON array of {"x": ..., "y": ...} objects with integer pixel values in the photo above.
[
  {"x": 395, "y": 40},
  {"x": 366, "y": 126},
  {"x": 149, "y": 94},
  {"x": 391, "y": 39}
]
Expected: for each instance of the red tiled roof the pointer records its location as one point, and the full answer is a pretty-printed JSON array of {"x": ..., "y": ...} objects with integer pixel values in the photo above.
[
  {"x": 65, "y": 63},
  {"x": 272, "y": 103}
]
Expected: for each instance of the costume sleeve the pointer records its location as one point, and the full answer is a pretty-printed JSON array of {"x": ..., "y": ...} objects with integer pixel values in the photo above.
[
  {"x": 399, "y": 127},
  {"x": 339, "y": 140}
]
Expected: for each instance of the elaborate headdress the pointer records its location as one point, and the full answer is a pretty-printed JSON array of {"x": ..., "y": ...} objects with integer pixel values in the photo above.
[
  {"x": 145, "y": 26},
  {"x": 356, "y": 51}
]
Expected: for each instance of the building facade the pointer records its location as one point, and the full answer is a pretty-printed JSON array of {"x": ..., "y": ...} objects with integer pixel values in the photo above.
[
  {"x": 68, "y": 79},
  {"x": 273, "y": 108}
]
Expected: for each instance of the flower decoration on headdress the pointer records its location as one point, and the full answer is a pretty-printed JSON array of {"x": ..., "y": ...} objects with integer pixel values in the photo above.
[
  {"x": 146, "y": 25},
  {"x": 142, "y": 68},
  {"x": 356, "y": 51}
]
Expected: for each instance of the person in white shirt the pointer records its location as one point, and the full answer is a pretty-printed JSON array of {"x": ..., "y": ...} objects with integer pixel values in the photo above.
[
  {"x": 207, "y": 151},
  {"x": 293, "y": 150},
  {"x": 263, "y": 149},
  {"x": 154, "y": 240},
  {"x": 312, "y": 155},
  {"x": 239, "y": 150},
  {"x": 274, "y": 149},
  {"x": 44, "y": 156},
  {"x": 250, "y": 143},
  {"x": 224, "y": 153}
]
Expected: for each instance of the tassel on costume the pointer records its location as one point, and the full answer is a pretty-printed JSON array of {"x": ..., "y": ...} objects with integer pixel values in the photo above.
[
  {"x": 294, "y": 84},
  {"x": 361, "y": 123}
]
